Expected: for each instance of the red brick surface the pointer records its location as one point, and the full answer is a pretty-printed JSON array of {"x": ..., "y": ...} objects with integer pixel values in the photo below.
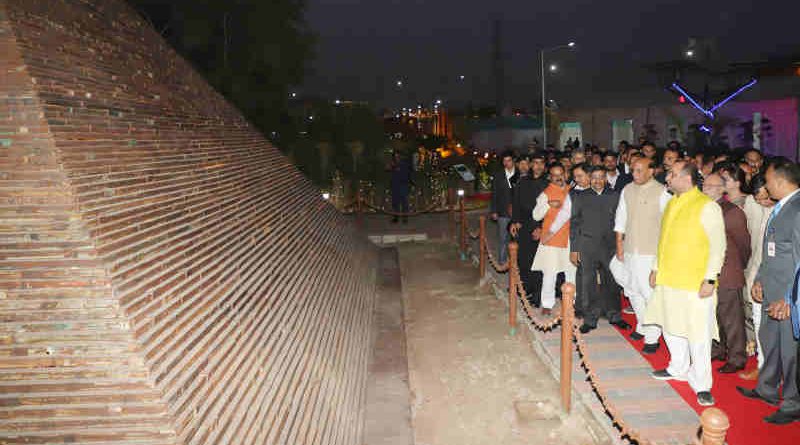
[{"x": 166, "y": 276}]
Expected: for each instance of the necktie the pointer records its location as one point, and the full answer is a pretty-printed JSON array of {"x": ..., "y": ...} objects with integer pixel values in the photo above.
[{"x": 774, "y": 213}]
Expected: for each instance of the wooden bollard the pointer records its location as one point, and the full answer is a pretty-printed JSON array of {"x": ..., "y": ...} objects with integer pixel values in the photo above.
[
  {"x": 513, "y": 248},
  {"x": 567, "y": 319},
  {"x": 482, "y": 247},
  {"x": 715, "y": 425},
  {"x": 463, "y": 216}
]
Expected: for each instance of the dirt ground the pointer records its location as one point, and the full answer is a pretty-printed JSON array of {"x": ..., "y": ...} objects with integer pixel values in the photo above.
[{"x": 471, "y": 381}]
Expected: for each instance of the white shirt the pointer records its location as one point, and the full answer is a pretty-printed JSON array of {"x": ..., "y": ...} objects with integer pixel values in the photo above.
[
  {"x": 509, "y": 174},
  {"x": 612, "y": 180}
]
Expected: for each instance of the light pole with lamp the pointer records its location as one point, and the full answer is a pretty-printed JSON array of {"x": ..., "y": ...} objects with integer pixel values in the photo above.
[{"x": 544, "y": 100}]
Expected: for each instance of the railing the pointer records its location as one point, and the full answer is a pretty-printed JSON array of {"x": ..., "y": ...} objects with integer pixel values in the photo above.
[{"x": 714, "y": 423}]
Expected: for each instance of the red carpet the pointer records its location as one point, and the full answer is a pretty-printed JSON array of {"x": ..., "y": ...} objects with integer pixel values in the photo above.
[{"x": 746, "y": 415}]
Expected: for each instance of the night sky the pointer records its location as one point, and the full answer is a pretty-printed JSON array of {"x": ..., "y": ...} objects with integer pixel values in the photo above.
[{"x": 365, "y": 46}]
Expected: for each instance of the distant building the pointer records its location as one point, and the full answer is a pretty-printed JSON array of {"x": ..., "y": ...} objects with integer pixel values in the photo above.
[
  {"x": 499, "y": 133},
  {"x": 770, "y": 125}
]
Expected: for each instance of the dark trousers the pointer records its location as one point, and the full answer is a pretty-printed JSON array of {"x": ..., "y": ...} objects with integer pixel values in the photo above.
[
  {"x": 532, "y": 281},
  {"x": 400, "y": 203},
  {"x": 598, "y": 294},
  {"x": 503, "y": 237},
  {"x": 730, "y": 319},
  {"x": 780, "y": 361}
]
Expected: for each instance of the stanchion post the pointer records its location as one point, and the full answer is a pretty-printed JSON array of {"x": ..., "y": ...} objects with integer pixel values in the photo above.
[
  {"x": 715, "y": 425},
  {"x": 482, "y": 247},
  {"x": 567, "y": 314},
  {"x": 463, "y": 228},
  {"x": 512, "y": 286}
]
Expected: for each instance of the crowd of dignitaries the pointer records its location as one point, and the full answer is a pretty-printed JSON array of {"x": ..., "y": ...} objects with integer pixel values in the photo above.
[{"x": 706, "y": 249}]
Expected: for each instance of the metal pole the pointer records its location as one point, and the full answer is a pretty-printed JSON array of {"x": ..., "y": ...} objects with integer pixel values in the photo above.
[{"x": 544, "y": 104}]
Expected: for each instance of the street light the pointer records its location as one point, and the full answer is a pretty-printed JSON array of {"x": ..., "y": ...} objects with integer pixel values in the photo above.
[
  {"x": 553, "y": 68},
  {"x": 544, "y": 101}
]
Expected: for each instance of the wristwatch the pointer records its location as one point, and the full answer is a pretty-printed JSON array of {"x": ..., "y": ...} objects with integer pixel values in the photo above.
[{"x": 711, "y": 282}]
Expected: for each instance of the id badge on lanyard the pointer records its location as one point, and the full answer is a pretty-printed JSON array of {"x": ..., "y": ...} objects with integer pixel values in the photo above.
[{"x": 771, "y": 242}]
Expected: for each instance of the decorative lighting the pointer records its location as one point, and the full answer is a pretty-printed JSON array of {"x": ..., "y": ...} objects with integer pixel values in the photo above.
[
  {"x": 691, "y": 100},
  {"x": 732, "y": 95},
  {"x": 705, "y": 128},
  {"x": 326, "y": 196},
  {"x": 460, "y": 192},
  {"x": 438, "y": 101}
]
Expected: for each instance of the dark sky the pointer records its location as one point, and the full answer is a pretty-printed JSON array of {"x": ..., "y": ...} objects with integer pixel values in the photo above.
[{"x": 365, "y": 46}]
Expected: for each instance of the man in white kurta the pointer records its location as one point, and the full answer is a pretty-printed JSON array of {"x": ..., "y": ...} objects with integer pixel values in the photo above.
[
  {"x": 638, "y": 224},
  {"x": 552, "y": 256},
  {"x": 691, "y": 251}
]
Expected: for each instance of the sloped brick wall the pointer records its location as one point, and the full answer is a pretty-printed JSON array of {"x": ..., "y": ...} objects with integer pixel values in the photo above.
[{"x": 226, "y": 301}]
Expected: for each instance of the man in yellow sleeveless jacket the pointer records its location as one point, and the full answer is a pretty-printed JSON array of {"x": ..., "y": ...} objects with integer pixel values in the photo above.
[{"x": 691, "y": 250}]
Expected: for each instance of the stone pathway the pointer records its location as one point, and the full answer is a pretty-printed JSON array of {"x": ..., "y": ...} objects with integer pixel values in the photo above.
[{"x": 471, "y": 382}]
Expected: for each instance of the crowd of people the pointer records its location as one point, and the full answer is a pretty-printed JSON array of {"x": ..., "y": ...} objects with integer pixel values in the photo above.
[{"x": 705, "y": 248}]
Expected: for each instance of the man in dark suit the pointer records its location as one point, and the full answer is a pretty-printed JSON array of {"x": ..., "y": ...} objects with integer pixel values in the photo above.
[
  {"x": 615, "y": 175},
  {"x": 502, "y": 184},
  {"x": 732, "y": 344},
  {"x": 781, "y": 254},
  {"x": 592, "y": 244},
  {"x": 523, "y": 226}
]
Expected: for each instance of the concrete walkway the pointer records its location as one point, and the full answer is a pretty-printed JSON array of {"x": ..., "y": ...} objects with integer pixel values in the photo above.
[{"x": 472, "y": 383}]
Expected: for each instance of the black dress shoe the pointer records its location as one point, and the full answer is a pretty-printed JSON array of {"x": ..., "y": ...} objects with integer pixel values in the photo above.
[
  {"x": 650, "y": 348},
  {"x": 586, "y": 328},
  {"x": 782, "y": 417},
  {"x": 622, "y": 324},
  {"x": 753, "y": 394},
  {"x": 636, "y": 336},
  {"x": 729, "y": 368}
]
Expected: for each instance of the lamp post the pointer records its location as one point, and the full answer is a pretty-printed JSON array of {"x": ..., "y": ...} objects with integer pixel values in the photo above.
[{"x": 544, "y": 100}]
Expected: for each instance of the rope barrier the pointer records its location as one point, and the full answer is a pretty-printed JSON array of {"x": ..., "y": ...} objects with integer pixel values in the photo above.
[
  {"x": 500, "y": 268},
  {"x": 579, "y": 343},
  {"x": 428, "y": 209}
]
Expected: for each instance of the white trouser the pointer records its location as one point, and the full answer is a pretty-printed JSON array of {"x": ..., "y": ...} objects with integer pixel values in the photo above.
[
  {"x": 634, "y": 277},
  {"x": 549, "y": 285},
  {"x": 756, "y": 325},
  {"x": 692, "y": 359}
]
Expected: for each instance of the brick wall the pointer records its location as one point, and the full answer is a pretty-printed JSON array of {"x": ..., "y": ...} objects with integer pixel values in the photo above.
[{"x": 166, "y": 276}]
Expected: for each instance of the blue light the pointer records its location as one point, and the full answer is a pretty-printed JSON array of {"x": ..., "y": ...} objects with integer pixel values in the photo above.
[
  {"x": 692, "y": 101},
  {"x": 734, "y": 94},
  {"x": 705, "y": 128}
]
